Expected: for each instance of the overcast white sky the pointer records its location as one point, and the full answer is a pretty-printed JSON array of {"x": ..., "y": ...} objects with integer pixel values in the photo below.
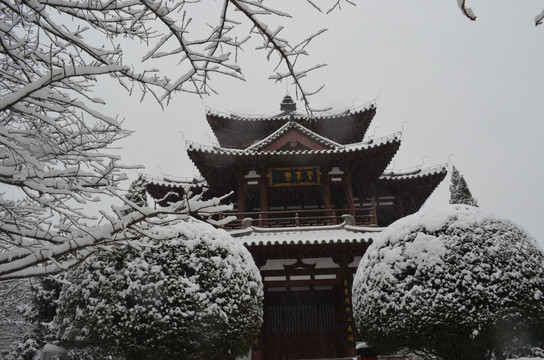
[{"x": 467, "y": 91}]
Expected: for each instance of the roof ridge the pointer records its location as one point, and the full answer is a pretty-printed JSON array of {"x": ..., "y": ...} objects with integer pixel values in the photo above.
[
  {"x": 280, "y": 115},
  {"x": 283, "y": 129}
]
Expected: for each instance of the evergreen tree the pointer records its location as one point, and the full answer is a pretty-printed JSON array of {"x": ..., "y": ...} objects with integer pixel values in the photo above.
[
  {"x": 137, "y": 193},
  {"x": 460, "y": 194}
]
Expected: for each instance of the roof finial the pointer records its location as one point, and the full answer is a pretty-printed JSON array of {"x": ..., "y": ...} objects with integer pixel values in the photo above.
[{"x": 288, "y": 105}]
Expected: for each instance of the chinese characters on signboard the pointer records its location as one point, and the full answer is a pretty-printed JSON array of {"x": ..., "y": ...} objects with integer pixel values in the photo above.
[
  {"x": 294, "y": 176},
  {"x": 348, "y": 311}
]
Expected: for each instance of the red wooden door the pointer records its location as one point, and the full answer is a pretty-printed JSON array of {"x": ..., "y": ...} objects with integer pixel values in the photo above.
[{"x": 301, "y": 325}]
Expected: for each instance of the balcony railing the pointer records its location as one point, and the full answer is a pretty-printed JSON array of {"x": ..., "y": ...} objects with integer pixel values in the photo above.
[{"x": 295, "y": 218}]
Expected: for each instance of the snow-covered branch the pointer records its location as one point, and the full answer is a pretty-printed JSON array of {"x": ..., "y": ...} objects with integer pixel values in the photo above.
[
  {"x": 46, "y": 253},
  {"x": 57, "y": 149},
  {"x": 274, "y": 44}
]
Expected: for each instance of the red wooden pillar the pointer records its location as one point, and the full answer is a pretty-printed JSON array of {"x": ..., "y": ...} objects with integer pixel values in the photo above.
[
  {"x": 400, "y": 208},
  {"x": 241, "y": 194},
  {"x": 326, "y": 187},
  {"x": 263, "y": 194},
  {"x": 348, "y": 190}
]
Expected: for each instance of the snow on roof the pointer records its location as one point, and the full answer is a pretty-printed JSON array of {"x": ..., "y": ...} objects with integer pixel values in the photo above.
[
  {"x": 329, "y": 234},
  {"x": 171, "y": 181},
  {"x": 413, "y": 173},
  {"x": 282, "y": 115},
  {"x": 364, "y": 145},
  {"x": 293, "y": 125}
]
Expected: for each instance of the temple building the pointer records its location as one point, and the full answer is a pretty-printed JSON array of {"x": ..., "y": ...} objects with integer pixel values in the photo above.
[{"x": 310, "y": 193}]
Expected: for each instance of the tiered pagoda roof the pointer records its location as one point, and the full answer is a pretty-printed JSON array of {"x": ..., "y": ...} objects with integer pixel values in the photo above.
[
  {"x": 255, "y": 145},
  {"x": 294, "y": 138}
]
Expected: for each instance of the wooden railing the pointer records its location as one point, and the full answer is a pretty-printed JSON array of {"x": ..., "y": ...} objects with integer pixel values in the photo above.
[{"x": 294, "y": 218}]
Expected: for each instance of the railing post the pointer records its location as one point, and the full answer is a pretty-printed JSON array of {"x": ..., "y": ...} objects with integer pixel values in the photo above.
[
  {"x": 297, "y": 219},
  {"x": 334, "y": 217},
  {"x": 261, "y": 222},
  {"x": 220, "y": 217}
]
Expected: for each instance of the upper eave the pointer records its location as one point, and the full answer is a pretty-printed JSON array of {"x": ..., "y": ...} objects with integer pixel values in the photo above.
[{"x": 239, "y": 132}]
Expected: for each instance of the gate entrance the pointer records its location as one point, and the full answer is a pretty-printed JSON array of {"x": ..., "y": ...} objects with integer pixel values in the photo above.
[{"x": 302, "y": 324}]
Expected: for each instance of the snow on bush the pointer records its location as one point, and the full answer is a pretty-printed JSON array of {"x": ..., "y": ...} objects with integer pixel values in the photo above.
[
  {"x": 454, "y": 281},
  {"x": 197, "y": 297}
]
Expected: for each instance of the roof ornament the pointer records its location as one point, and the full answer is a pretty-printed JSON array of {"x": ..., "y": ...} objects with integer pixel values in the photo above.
[
  {"x": 288, "y": 105},
  {"x": 348, "y": 219},
  {"x": 246, "y": 223}
]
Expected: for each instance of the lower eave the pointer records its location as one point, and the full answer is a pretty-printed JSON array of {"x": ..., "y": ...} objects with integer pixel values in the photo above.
[
  {"x": 412, "y": 191},
  {"x": 341, "y": 241},
  {"x": 221, "y": 168},
  {"x": 339, "y": 250}
]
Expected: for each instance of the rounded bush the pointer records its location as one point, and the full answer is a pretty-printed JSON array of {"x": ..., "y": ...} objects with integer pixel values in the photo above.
[
  {"x": 196, "y": 297},
  {"x": 454, "y": 281}
]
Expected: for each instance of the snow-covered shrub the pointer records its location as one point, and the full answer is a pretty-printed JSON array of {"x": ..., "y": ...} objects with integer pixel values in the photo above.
[
  {"x": 25, "y": 350},
  {"x": 197, "y": 297},
  {"x": 454, "y": 281}
]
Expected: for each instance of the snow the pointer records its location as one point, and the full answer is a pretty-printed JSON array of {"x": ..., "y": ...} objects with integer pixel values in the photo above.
[
  {"x": 54, "y": 349},
  {"x": 306, "y": 235},
  {"x": 413, "y": 173},
  {"x": 360, "y": 146}
]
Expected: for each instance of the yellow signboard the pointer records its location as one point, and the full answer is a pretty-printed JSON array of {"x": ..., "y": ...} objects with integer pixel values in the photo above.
[{"x": 294, "y": 176}]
